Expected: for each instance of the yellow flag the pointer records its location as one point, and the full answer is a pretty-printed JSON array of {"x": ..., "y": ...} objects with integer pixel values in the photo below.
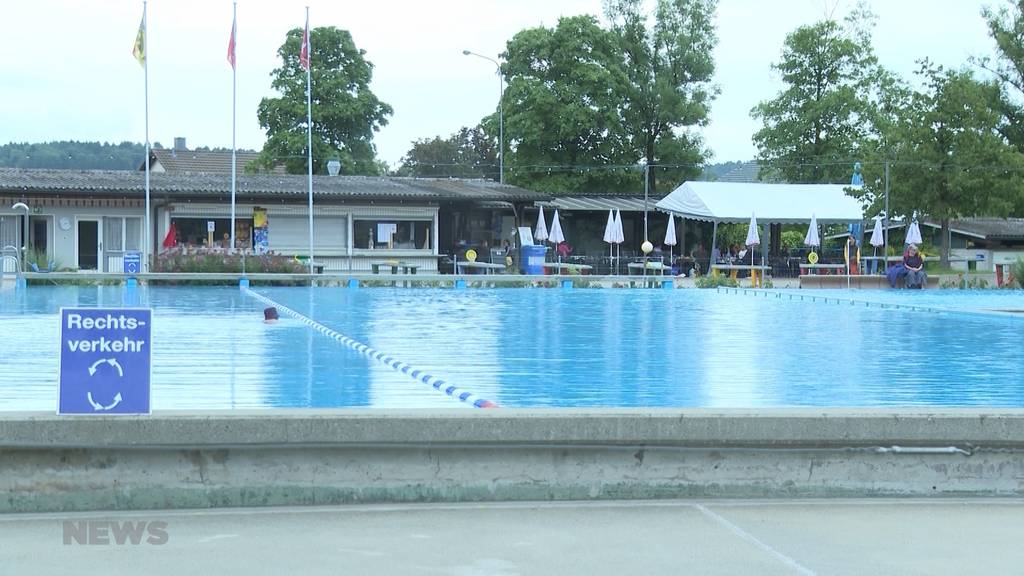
[{"x": 139, "y": 50}]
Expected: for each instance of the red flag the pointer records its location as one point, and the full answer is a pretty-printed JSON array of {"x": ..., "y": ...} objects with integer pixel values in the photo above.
[
  {"x": 231, "y": 46},
  {"x": 171, "y": 239},
  {"x": 304, "y": 53}
]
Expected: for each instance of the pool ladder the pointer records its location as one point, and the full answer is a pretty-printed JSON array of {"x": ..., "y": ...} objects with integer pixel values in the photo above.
[{"x": 10, "y": 264}]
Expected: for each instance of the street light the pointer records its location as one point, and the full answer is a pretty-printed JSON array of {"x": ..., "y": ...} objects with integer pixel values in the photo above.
[{"x": 501, "y": 113}]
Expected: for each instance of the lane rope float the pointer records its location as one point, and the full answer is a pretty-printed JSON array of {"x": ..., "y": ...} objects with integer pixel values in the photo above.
[{"x": 364, "y": 350}]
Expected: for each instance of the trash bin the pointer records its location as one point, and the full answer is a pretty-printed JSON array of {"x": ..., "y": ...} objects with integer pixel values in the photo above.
[{"x": 531, "y": 259}]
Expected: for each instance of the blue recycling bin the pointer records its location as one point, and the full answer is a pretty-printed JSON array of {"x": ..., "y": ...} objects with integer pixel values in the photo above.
[{"x": 531, "y": 259}]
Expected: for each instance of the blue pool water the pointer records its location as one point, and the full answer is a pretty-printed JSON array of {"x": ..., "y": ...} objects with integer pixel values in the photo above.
[{"x": 544, "y": 347}]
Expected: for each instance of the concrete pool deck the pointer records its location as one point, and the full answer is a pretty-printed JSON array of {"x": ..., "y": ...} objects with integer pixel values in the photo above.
[
  {"x": 840, "y": 537},
  {"x": 318, "y": 457}
]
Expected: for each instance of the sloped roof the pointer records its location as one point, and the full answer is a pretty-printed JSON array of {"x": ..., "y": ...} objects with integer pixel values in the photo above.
[
  {"x": 284, "y": 186},
  {"x": 987, "y": 228},
  {"x": 777, "y": 203},
  {"x": 199, "y": 161},
  {"x": 746, "y": 173}
]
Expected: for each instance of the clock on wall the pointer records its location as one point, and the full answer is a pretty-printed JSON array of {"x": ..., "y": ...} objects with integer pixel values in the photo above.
[{"x": 65, "y": 223}]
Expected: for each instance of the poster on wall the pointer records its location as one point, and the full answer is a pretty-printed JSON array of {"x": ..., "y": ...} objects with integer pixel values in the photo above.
[{"x": 260, "y": 230}]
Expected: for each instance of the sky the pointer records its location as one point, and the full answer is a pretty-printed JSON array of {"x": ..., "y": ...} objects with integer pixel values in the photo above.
[{"x": 67, "y": 73}]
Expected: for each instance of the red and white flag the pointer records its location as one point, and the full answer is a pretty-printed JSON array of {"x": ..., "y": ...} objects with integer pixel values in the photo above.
[
  {"x": 231, "y": 45},
  {"x": 304, "y": 53}
]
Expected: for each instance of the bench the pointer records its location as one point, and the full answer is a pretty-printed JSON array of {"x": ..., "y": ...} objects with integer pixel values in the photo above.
[
  {"x": 855, "y": 281},
  {"x": 562, "y": 268},
  {"x": 485, "y": 266},
  {"x": 395, "y": 266}
]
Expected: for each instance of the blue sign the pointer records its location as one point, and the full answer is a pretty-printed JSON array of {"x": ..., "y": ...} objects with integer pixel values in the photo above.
[
  {"x": 105, "y": 360},
  {"x": 132, "y": 262}
]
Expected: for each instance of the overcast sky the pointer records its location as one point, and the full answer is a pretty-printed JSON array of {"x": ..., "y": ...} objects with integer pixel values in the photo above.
[{"x": 66, "y": 70}]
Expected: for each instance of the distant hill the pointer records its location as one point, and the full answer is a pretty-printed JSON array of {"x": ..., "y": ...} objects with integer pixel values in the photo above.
[{"x": 74, "y": 155}]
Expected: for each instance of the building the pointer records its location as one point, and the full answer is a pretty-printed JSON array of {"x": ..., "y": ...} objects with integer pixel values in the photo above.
[
  {"x": 87, "y": 220},
  {"x": 181, "y": 160}
]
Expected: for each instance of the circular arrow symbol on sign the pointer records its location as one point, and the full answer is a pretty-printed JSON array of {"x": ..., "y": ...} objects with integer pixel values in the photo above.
[{"x": 92, "y": 372}]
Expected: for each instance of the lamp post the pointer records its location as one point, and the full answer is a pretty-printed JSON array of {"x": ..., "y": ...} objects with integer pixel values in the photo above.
[{"x": 501, "y": 113}]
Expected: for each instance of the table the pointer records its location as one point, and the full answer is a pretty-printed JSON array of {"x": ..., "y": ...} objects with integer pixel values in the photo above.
[
  {"x": 485, "y": 266},
  {"x": 755, "y": 277},
  {"x": 395, "y": 266},
  {"x": 658, "y": 267},
  {"x": 561, "y": 267},
  {"x": 837, "y": 268}
]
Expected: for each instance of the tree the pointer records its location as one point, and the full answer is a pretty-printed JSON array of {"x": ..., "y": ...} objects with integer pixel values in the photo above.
[
  {"x": 668, "y": 69},
  {"x": 826, "y": 116},
  {"x": 345, "y": 112},
  {"x": 1006, "y": 27},
  {"x": 949, "y": 158},
  {"x": 469, "y": 153},
  {"x": 585, "y": 104},
  {"x": 562, "y": 108}
]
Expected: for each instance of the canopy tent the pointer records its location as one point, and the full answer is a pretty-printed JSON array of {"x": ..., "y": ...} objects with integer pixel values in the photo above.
[
  {"x": 730, "y": 202},
  {"x": 734, "y": 202}
]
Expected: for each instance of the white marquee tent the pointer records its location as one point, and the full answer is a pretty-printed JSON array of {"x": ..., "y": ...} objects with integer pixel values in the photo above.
[{"x": 732, "y": 202}]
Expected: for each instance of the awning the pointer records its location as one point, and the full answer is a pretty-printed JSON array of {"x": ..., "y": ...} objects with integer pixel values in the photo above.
[
  {"x": 774, "y": 203},
  {"x": 599, "y": 203}
]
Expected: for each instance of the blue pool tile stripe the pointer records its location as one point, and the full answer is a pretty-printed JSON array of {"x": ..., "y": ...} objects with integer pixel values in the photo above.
[{"x": 364, "y": 350}]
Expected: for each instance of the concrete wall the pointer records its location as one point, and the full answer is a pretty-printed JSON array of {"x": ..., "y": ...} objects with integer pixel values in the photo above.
[{"x": 173, "y": 460}]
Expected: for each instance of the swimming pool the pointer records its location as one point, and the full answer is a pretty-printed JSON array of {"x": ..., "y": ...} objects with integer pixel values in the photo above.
[{"x": 540, "y": 347}]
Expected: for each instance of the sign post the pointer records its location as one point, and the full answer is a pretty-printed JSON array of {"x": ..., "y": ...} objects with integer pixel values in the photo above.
[
  {"x": 132, "y": 262},
  {"x": 105, "y": 360}
]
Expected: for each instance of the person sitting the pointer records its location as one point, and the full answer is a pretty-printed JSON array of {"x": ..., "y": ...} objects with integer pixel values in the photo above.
[
  {"x": 851, "y": 253},
  {"x": 913, "y": 264},
  {"x": 563, "y": 250}
]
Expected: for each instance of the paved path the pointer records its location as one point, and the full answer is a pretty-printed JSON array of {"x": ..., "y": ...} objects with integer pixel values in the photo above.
[{"x": 875, "y": 537}]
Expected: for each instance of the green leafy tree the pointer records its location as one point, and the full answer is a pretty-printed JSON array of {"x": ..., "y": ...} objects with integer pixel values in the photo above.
[
  {"x": 346, "y": 113},
  {"x": 73, "y": 155},
  {"x": 585, "y": 105},
  {"x": 835, "y": 95},
  {"x": 469, "y": 153},
  {"x": 668, "y": 92},
  {"x": 1006, "y": 27},
  {"x": 949, "y": 159}
]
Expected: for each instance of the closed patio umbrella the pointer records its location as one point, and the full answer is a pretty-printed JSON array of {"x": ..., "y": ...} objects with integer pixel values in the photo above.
[
  {"x": 877, "y": 239},
  {"x": 609, "y": 235},
  {"x": 812, "y": 238},
  {"x": 914, "y": 233},
  {"x": 620, "y": 236},
  {"x": 556, "y": 237},
  {"x": 670, "y": 237},
  {"x": 753, "y": 239},
  {"x": 540, "y": 233}
]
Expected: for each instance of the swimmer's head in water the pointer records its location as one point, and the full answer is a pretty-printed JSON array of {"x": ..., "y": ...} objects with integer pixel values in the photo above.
[{"x": 270, "y": 314}]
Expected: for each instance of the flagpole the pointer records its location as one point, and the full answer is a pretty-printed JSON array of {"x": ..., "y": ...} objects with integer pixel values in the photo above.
[
  {"x": 309, "y": 135},
  {"x": 234, "y": 100},
  {"x": 145, "y": 68}
]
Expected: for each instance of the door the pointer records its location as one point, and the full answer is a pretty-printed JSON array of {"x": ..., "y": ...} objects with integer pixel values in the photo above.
[{"x": 88, "y": 242}]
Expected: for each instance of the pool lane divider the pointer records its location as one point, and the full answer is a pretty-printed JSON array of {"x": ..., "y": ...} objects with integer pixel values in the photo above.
[{"x": 364, "y": 350}]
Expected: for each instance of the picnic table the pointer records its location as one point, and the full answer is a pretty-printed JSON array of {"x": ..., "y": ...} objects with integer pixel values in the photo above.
[
  {"x": 485, "y": 266},
  {"x": 395, "y": 266},
  {"x": 562, "y": 267},
  {"x": 658, "y": 267},
  {"x": 828, "y": 268},
  {"x": 756, "y": 271}
]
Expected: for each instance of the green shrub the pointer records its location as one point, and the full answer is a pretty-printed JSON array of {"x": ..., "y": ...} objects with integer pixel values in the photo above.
[
  {"x": 215, "y": 261},
  {"x": 1017, "y": 272},
  {"x": 715, "y": 281}
]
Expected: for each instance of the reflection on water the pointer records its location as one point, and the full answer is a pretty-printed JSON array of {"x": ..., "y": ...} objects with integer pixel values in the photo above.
[{"x": 535, "y": 347}]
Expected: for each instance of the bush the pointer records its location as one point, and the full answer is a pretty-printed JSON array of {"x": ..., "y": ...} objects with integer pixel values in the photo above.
[
  {"x": 962, "y": 283},
  {"x": 1017, "y": 273},
  {"x": 715, "y": 281},
  {"x": 217, "y": 261}
]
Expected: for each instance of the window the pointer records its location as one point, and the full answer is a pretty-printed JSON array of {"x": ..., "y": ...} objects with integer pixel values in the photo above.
[
  {"x": 392, "y": 235},
  {"x": 122, "y": 234}
]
